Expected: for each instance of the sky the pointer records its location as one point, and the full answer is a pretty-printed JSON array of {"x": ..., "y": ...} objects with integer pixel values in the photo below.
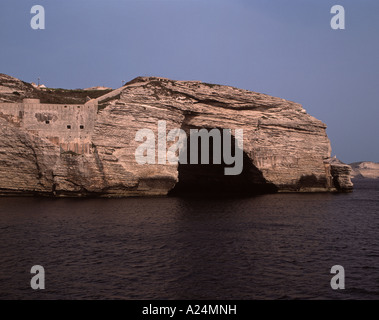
[{"x": 284, "y": 48}]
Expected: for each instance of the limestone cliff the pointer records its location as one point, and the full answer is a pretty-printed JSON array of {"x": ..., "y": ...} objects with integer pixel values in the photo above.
[
  {"x": 341, "y": 174},
  {"x": 369, "y": 170},
  {"x": 15, "y": 90},
  {"x": 284, "y": 148}
]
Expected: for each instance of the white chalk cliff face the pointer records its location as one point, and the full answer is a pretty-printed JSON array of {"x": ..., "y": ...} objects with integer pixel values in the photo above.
[
  {"x": 284, "y": 148},
  {"x": 368, "y": 170}
]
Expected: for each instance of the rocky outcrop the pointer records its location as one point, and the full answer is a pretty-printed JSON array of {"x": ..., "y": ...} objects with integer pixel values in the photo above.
[
  {"x": 341, "y": 174},
  {"x": 368, "y": 170},
  {"x": 284, "y": 148},
  {"x": 14, "y": 90}
]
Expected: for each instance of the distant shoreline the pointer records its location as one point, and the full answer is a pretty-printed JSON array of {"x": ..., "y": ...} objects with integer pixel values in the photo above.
[{"x": 364, "y": 170}]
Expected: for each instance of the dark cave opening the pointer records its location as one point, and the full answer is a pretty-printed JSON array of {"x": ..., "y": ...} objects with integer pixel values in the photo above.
[{"x": 206, "y": 180}]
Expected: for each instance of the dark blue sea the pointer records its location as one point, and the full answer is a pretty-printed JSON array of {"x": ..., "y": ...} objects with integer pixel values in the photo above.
[{"x": 276, "y": 246}]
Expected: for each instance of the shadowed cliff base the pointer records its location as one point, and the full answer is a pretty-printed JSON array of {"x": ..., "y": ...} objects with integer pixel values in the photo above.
[
  {"x": 209, "y": 180},
  {"x": 308, "y": 183},
  {"x": 204, "y": 180}
]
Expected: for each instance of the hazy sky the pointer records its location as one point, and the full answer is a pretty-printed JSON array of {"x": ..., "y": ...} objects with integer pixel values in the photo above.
[{"x": 282, "y": 48}]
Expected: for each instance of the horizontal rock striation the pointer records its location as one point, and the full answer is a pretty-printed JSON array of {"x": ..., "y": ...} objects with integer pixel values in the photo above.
[
  {"x": 14, "y": 90},
  {"x": 367, "y": 169},
  {"x": 284, "y": 148},
  {"x": 341, "y": 174}
]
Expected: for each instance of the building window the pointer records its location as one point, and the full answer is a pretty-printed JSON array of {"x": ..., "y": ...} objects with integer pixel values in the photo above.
[
  {"x": 65, "y": 106},
  {"x": 47, "y": 121},
  {"x": 78, "y": 106},
  {"x": 68, "y": 127},
  {"x": 81, "y": 127}
]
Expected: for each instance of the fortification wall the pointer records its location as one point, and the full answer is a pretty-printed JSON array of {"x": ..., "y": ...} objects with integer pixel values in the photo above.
[
  {"x": 12, "y": 109},
  {"x": 69, "y": 126}
]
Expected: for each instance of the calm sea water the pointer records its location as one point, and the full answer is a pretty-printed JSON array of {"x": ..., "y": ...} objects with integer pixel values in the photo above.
[{"x": 279, "y": 246}]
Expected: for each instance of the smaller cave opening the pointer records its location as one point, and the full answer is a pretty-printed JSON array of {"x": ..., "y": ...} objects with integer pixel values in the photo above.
[{"x": 204, "y": 180}]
